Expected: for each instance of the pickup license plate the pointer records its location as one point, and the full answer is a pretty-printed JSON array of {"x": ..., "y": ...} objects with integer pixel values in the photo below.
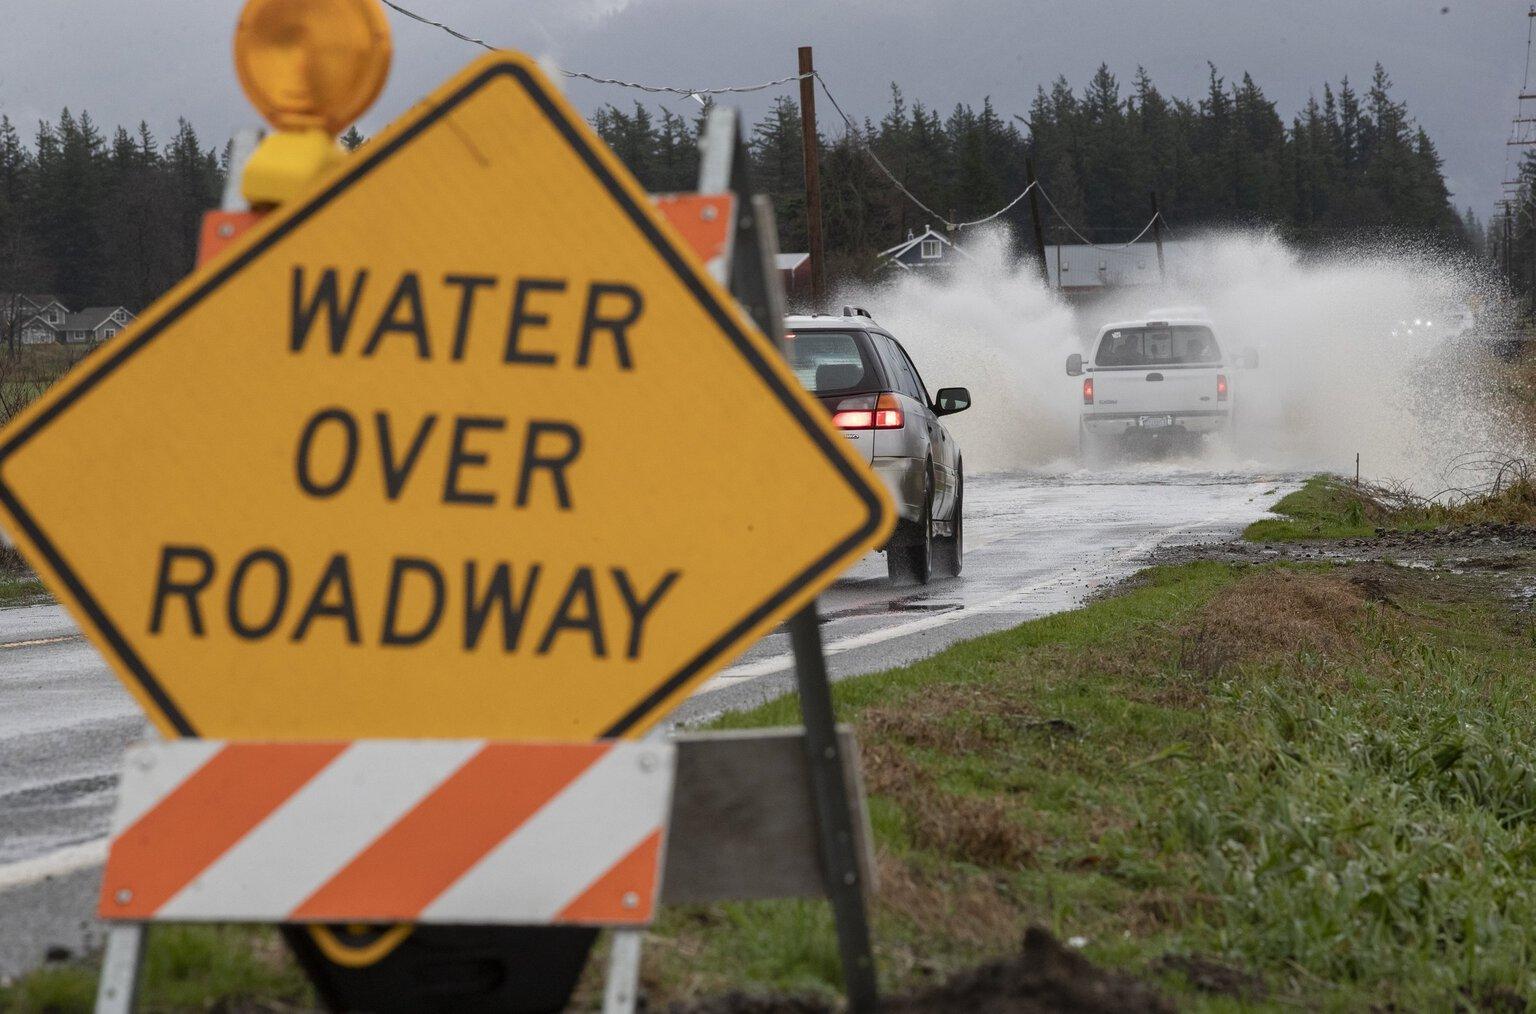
[{"x": 1154, "y": 422}]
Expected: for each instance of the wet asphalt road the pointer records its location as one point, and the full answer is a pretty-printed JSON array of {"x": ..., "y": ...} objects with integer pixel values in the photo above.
[{"x": 1035, "y": 544}]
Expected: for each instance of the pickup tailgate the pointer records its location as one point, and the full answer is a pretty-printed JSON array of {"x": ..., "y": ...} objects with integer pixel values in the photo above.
[{"x": 1154, "y": 390}]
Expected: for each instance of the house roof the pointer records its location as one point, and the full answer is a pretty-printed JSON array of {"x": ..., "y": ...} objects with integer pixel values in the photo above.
[
  {"x": 790, "y": 261},
  {"x": 91, "y": 317},
  {"x": 38, "y": 299},
  {"x": 895, "y": 252},
  {"x": 1080, "y": 266}
]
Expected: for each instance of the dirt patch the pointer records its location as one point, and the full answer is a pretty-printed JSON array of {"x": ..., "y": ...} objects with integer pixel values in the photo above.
[
  {"x": 970, "y": 908},
  {"x": 953, "y": 719},
  {"x": 972, "y": 829},
  {"x": 956, "y": 721},
  {"x": 1211, "y": 976},
  {"x": 1276, "y": 612},
  {"x": 1043, "y": 977}
]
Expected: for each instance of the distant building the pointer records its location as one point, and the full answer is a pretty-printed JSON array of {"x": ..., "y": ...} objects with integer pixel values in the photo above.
[
  {"x": 41, "y": 319},
  {"x": 94, "y": 324},
  {"x": 923, "y": 253},
  {"x": 1080, "y": 268},
  {"x": 795, "y": 273}
]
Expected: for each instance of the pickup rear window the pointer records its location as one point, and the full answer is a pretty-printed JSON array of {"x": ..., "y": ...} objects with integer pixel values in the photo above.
[
  {"x": 833, "y": 362},
  {"x": 1158, "y": 346}
]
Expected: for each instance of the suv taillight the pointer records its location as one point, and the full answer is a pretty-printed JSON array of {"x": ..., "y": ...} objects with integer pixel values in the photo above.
[
  {"x": 1087, "y": 390},
  {"x": 869, "y": 412},
  {"x": 1221, "y": 387}
]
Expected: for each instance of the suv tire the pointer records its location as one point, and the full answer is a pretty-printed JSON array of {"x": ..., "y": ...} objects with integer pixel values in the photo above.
[
  {"x": 915, "y": 562},
  {"x": 950, "y": 550}
]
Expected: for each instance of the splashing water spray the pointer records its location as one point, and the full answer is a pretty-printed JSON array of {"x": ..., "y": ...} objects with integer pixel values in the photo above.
[{"x": 1361, "y": 351}]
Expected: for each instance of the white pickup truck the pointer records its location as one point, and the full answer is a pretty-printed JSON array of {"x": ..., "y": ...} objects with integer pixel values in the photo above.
[{"x": 1163, "y": 378}]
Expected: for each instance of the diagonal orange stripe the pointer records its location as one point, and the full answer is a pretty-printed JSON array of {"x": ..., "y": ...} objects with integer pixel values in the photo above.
[
  {"x": 201, "y": 819},
  {"x": 633, "y": 877},
  {"x": 436, "y": 842}
]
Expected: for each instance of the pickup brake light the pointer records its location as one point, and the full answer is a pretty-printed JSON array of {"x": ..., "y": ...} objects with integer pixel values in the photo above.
[{"x": 1087, "y": 390}]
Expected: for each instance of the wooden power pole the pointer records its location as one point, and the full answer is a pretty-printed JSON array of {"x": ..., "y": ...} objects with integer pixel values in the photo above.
[
  {"x": 1157, "y": 237},
  {"x": 1034, "y": 218},
  {"x": 812, "y": 151}
]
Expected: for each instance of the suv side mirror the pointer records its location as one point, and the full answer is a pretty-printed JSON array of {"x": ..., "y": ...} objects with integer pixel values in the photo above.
[
  {"x": 950, "y": 400},
  {"x": 1074, "y": 365}
]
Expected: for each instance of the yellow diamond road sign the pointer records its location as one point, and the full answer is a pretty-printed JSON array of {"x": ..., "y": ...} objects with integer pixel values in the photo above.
[{"x": 463, "y": 444}]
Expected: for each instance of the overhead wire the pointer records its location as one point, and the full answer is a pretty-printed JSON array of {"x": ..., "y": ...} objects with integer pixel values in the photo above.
[
  {"x": 851, "y": 127},
  {"x": 854, "y": 133},
  {"x": 692, "y": 93}
]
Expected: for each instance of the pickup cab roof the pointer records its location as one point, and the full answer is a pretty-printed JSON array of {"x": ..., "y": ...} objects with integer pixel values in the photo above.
[{"x": 1121, "y": 325}]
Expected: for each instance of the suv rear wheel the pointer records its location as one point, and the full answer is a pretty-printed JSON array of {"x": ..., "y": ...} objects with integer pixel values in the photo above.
[
  {"x": 950, "y": 549},
  {"x": 915, "y": 562}
]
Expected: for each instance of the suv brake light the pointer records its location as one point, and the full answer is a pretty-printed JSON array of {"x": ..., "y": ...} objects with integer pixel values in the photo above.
[
  {"x": 1087, "y": 390},
  {"x": 1221, "y": 387},
  {"x": 868, "y": 412}
]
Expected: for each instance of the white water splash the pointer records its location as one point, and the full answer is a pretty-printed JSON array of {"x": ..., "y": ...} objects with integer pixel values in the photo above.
[{"x": 1332, "y": 377}]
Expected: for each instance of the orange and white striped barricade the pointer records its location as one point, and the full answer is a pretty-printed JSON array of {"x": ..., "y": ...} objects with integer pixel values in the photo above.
[{"x": 407, "y": 831}]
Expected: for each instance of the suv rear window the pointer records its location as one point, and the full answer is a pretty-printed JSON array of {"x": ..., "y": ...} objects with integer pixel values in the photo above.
[
  {"x": 1158, "y": 346},
  {"x": 833, "y": 362}
]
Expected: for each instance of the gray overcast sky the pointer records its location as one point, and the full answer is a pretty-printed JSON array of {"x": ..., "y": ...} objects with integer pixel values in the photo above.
[{"x": 1459, "y": 71}]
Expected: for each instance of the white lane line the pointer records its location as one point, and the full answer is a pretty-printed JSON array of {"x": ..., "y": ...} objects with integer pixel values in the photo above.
[{"x": 55, "y": 864}]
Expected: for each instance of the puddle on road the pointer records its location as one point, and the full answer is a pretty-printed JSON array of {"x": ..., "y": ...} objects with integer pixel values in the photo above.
[{"x": 910, "y": 604}]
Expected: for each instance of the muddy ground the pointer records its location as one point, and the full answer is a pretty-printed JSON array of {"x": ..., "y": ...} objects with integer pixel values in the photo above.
[{"x": 1044, "y": 976}]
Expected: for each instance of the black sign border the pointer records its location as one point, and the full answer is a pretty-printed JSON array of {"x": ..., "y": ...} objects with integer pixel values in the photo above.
[{"x": 574, "y": 137}]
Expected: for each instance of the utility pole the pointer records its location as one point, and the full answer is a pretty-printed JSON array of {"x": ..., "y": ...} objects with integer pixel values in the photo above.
[
  {"x": 1157, "y": 237},
  {"x": 1506, "y": 206},
  {"x": 812, "y": 150},
  {"x": 1034, "y": 218}
]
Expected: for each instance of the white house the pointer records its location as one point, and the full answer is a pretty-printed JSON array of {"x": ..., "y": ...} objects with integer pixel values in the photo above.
[
  {"x": 41, "y": 319},
  {"x": 94, "y": 324}
]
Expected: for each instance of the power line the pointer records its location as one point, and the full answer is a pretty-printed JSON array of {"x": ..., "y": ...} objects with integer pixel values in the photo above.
[
  {"x": 853, "y": 132},
  {"x": 689, "y": 93},
  {"x": 852, "y": 128}
]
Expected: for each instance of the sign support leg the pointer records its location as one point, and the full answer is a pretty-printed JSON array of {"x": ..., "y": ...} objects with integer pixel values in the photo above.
[
  {"x": 117, "y": 991},
  {"x": 623, "y": 984},
  {"x": 834, "y": 813}
]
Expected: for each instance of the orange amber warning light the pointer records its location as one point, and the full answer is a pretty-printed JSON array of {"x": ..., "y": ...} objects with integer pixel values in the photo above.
[
  {"x": 310, "y": 67},
  {"x": 307, "y": 64}
]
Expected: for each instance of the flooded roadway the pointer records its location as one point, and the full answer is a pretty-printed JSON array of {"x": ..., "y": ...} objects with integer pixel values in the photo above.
[{"x": 1035, "y": 544}]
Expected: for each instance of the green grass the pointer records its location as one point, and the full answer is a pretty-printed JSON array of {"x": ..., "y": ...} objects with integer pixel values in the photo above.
[
  {"x": 1322, "y": 509},
  {"x": 1351, "y": 831},
  {"x": 186, "y": 968},
  {"x": 18, "y": 588}
]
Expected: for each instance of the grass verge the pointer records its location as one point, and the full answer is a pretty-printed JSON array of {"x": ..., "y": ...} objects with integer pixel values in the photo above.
[
  {"x": 17, "y": 583},
  {"x": 186, "y": 968},
  {"x": 1328, "y": 507},
  {"x": 1260, "y": 787}
]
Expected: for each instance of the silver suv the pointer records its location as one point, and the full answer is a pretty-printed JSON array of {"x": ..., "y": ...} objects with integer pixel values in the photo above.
[{"x": 876, "y": 397}]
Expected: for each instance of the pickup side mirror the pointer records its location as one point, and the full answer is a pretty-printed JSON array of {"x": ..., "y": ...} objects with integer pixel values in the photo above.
[
  {"x": 950, "y": 400},
  {"x": 1074, "y": 365},
  {"x": 1249, "y": 360}
]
